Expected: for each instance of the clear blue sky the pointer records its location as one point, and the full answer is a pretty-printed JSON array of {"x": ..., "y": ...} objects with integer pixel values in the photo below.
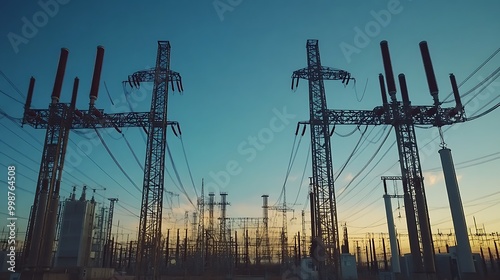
[{"x": 236, "y": 59}]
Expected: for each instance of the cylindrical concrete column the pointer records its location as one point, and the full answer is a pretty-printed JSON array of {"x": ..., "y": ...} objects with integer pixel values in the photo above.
[
  {"x": 392, "y": 235},
  {"x": 464, "y": 254}
]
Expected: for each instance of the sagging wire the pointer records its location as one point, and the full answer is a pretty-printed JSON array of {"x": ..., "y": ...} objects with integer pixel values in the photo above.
[
  {"x": 126, "y": 209},
  {"x": 29, "y": 178},
  {"x": 364, "y": 167},
  {"x": 369, "y": 172},
  {"x": 115, "y": 160},
  {"x": 376, "y": 187},
  {"x": 485, "y": 112},
  {"x": 132, "y": 151},
  {"x": 351, "y": 155},
  {"x": 11, "y": 97},
  {"x": 96, "y": 164},
  {"x": 380, "y": 134},
  {"x": 19, "y": 152},
  {"x": 458, "y": 164},
  {"x": 373, "y": 167},
  {"x": 476, "y": 116},
  {"x": 172, "y": 179},
  {"x": 303, "y": 174},
  {"x": 485, "y": 83},
  {"x": 344, "y": 135},
  {"x": 179, "y": 135},
  {"x": 15, "y": 120},
  {"x": 472, "y": 74},
  {"x": 12, "y": 84},
  {"x": 356, "y": 91},
  {"x": 293, "y": 155},
  {"x": 18, "y": 187},
  {"x": 363, "y": 198},
  {"x": 182, "y": 189},
  {"x": 361, "y": 150},
  {"x": 289, "y": 163},
  {"x": 111, "y": 100},
  {"x": 90, "y": 138},
  {"x": 17, "y": 159},
  {"x": 20, "y": 137},
  {"x": 372, "y": 225}
]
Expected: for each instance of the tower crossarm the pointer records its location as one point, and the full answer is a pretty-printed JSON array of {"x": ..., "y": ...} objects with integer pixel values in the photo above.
[
  {"x": 356, "y": 117},
  {"x": 326, "y": 73},
  {"x": 245, "y": 222},
  {"x": 419, "y": 115},
  {"x": 148, "y": 76},
  {"x": 392, "y": 178},
  {"x": 83, "y": 119}
]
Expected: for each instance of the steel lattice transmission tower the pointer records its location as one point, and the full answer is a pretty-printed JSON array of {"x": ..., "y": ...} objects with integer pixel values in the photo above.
[
  {"x": 60, "y": 118},
  {"x": 403, "y": 116},
  {"x": 43, "y": 216},
  {"x": 149, "y": 243},
  {"x": 325, "y": 233},
  {"x": 108, "y": 246}
]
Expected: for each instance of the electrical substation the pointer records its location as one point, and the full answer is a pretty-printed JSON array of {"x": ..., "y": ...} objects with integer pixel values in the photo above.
[{"x": 78, "y": 238}]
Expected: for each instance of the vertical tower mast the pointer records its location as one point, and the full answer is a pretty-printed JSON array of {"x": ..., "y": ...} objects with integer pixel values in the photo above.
[
  {"x": 107, "y": 259},
  {"x": 38, "y": 255},
  {"x": 326, "y": 213},
  {"x": 266, "y": 254},
  {"x": 417, "y": 217},
  {"x": 149, "y": 242},
  {"x": 201, "y": 220}
]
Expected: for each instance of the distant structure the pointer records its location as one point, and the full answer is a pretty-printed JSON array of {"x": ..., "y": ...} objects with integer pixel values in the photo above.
[
  {"x": 76, "y": 232},
  {"x": 266, "y": 253}
]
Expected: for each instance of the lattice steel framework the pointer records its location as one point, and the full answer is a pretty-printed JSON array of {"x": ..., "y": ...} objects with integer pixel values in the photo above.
[
  {"x": 200, "y": 239},
  {"x": 109, "y": 227},
  {"x": 149, "y": 243},
  {"x": 45, "y": 206},
  {"x": 60, "y": 118},
  {"x": 110, "y": 217},
  {"x": 403, "y": 117},
  {"x": 326, "y": 229},
  {"x": 43, "y": 217}
]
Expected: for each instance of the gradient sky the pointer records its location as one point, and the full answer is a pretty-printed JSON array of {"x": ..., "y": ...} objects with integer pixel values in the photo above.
[{"x": 236, "y": 59}]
